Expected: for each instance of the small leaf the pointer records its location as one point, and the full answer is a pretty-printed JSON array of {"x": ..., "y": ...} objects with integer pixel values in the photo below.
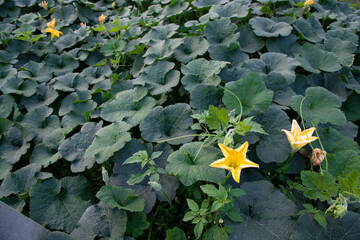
[
  {"x": 211, "y": 190},
  {"x": 198, "y": 229},
  {"x": 192, "y": 205},
  {"x": 217, "y": 118},
  {"x": 321, "y": 220},
  {"x": 175, "y": 234}
]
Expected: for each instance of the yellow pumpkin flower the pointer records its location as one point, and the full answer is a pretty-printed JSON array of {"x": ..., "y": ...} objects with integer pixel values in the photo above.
[
  {"x": 51, "y": 24},
  {"x": 53, "y": 32},
  {"x": 102, "y": 19},
  {"x": 298, "y": 138},
  {"x": 234, "y": 160},
  {"x": 308, "y": 2},
  {"x": 44, "y": 4}
]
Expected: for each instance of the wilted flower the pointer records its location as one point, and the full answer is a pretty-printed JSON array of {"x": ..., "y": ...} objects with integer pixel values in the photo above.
[
  {"x": 113, "y": 4},
  {"x": 298, "y": 138},
  {"x": 53, "y": 32},
  {"x": 44, "y": 4},
  {"x": 318, "y": 156},
  {"x": 83, "y": 24},
  {"x": 51, "y": 24},
  {"x": 234, "y": 160},
  {"x": 102, "y": 19},
  {"x": 308, "y": 2}
]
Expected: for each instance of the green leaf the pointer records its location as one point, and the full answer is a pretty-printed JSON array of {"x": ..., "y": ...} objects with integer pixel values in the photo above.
[
  {"x": 160, "y": 32},
  {"x": 112, "y": 47},
  {"x": 202, "y": 96},
  {"x": 161, "y": 49},
  {"x": 319, "y": 186},
  {"x": 215, "y": 233},
  {"x": 350, "y": 108},
  {"x": 66, "y": 14},
  {"x": 198, "y": 229},
  {"x": 166, "y": 123},
  {"x": 344, "y": 50},
  {"x": 6, "y": 105},
  {"x": 60, "y": 65},
  {"x": 131, "y": 106},
  {"x": 265, "y": 27},
  {"x": 217, "y": 118},
  {"x": 350, "y": 184},
  {"x": 234, "y": 216},
  {"x": 216, "y": 205},
  {"x": 73, "y": 148},
  {"x": 191, "y": 47},
  {"x": 59, "y": 204},
  {"x": 189, "y": 216},
  {"x": 100, "y": 221},
  {"x": 221, "y": 31},
  {"x": 108, "y": 140},
  {"x": 287, "y": 45},
  {"x": 5, "y": 169},
  {"x": 211, "y": 190},
  {"x": 14, "y": 144},
  {"x": 248, "y": 41},
  {"x": 207, "y": 3},
  {"x": 136, "y": 224},
  {"x": 345, "y": 227},
  {"x": 20, "y": 181},
  {"x": 201, "y": 71},
  {"x": 230, "y": 10},
  {"x": 159, "y": 77},
  {"x": 280, "y": 63},
  {"x": 236, "y": 192},
  {"x": 310, "y": 29},
  {"x": 121, "y": 198},
  {"x": 192, "y": 205},
  {"x": 136, "y": 178},
  {"x": 313, "y": 59},
  {"x": 320, "y": 219},
  {"x": 261, "y": 207},
  {"x": 334, "y": 141},
  {"x": 247, "y": 125},
  {"x": 175, "y": 234},
  {"x": 319, "y": 106},
  {"x": 342, "y": 163},
  {"x": 25, "y": 3},
  {"x": 251, "y": 91},
  {"x": 176, "y": 7},
  {"x": 183, "y": 163}
]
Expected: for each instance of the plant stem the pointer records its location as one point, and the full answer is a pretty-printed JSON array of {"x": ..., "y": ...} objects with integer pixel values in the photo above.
[
  {"x": 227, "y": 177},
  {"x": 167, "y": 197}
]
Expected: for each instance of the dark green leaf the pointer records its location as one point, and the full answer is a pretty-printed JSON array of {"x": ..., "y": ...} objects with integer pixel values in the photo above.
[
  {"x": 221, "y": 32},
  {"x": 121, "y": 198},
  {"x": 313, "y": 59},
  {"x": 191, "y": 48},
  {"x": 59, "y": 204},
  {"x": 73, "y": 149},
  {"x": 136, "y": 224},
  {"x": 99, "y": 220},
  {"x": 265, "y": 27},
  {"x": 183, "y": 163},
  {"x": 175, "y": 234},
  {"x": 167, "y": 123},
  {"x": 108, "y": 140},
  {"x": 251, "y": 91},
  {"x": 319, "y": 106},
  {"x": 266, "y": 213}
]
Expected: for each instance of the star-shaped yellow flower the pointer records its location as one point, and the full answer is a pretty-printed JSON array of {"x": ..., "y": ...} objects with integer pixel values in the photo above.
[
  {"x": 102, "y": 19},
  {"x": 51, "y": 24},
  {"x": 53, "y": 32},
  {"x": 298, "y": 138},
  {"x": 234, "y": 160}
]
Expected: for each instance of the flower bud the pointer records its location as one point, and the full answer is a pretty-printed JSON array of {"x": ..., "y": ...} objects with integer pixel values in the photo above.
[
  {"x": 44, "y": 5},
  {"x": 318, "y": 156}
]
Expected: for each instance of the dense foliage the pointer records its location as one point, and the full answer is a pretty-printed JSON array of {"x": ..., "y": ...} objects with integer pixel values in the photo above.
[{"x": 111, "y": 113}]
